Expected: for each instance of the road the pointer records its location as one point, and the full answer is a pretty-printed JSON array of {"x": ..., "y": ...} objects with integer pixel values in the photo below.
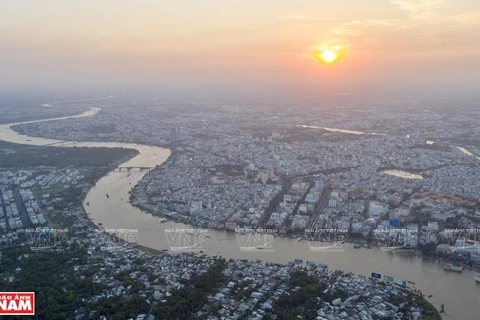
[{"x": 322, "y": 202}]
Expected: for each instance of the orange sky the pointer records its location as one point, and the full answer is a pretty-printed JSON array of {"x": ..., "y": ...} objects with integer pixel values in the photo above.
[{"x": 246, "y": 42}]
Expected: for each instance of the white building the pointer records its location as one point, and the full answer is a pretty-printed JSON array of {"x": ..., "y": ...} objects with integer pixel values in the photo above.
[
  {"x": 332, "y": 202},
  {"x": 376, "y": 209}
]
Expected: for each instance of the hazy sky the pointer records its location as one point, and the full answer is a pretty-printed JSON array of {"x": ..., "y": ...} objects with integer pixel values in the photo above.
[{"x": 241, "y": 46}]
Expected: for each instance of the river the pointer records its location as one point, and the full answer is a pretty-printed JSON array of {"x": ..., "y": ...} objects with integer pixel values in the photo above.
[
  {"x": 462, "y": 149},
  {"x": 458, "y": 292},
  {"x": 343, "y": 130},
  {"x": 403, "y": 174}
]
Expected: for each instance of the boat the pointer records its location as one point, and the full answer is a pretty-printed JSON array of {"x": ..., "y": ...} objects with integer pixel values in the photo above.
[
  {"x": 411, "y": 282},
  {"x": 400, "y": 249},
  {"x": 357, "y": 246},
  {"x": 477, "y": 278},
  {"x": 451, "y": 267},
  {"x": 107, "y": 195},
  {"x": 87, "y": 203},
  {"x": 401, "y": 283}
]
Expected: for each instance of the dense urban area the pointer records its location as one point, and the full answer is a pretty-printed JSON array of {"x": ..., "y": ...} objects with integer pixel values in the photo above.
[{"x": 390, "y": 176}]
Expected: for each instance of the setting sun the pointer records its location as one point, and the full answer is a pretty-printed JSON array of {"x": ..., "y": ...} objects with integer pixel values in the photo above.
[{"x": 328, "y": 54}]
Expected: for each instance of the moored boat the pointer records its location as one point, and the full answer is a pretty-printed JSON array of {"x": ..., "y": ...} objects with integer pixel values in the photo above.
[
  {"x": 477, "y": 278},
  {"x": 451, "y": 267}
]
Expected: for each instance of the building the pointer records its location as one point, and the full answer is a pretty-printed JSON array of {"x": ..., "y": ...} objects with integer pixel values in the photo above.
[
  {"x": 475, "y": 257},
  {"x": 230, "y": 225},
  {"x": 196, "y": 206},
  {"x": 332, "y": 202},
  {"x": 399, "y": 213},
  {"x": 302, "y": 208},
  {"x": 428, "y": 236},
  {"x": 433, "y": 226},
  {"x": 443, "y": 248},
  {"x": 376, "y": 209},
  {"x": 173, "y": 135}
]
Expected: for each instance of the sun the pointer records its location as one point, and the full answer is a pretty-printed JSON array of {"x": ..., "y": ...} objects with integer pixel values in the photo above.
[{"x": 328, "y": 56}]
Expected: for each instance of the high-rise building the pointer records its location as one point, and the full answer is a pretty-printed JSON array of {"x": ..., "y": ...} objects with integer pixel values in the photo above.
[
  {"x": 173, "y": 135},
  {"x": 196, "y": 206},
  {"x": 332, "y": 202}
]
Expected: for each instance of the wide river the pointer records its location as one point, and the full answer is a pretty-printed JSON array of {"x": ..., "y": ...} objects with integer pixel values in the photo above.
[{"x": 458, "y": 292}]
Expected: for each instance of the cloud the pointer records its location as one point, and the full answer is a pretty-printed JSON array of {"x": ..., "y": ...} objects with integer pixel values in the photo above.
[
  {"x": 429, "y": 12},
  {"x": 373, "y": 22},
  {"x": 346, "y": 29},
  {"x": 466, "y": 18},
  {"x": 418, "y": 5},
  {"x": 419, "y": 13},
  {"x": 307, "y": 17},
  {"x": 295, "y": 17},
  {"x": 342, "y": 31}
]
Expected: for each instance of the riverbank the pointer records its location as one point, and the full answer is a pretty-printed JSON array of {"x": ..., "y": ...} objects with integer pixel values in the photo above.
[{"x": 114, "y": 213}]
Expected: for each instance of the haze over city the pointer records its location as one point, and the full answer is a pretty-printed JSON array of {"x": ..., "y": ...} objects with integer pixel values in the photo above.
[{"x": 239, "y": 159}]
